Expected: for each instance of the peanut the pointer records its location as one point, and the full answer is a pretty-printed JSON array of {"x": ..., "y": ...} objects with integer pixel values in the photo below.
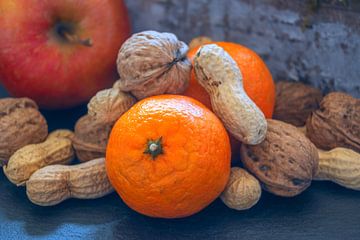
[
  {"x": 53, "y": 184},
  {"x": 30, "y": 158},
  {"x": 340, "y": 165},
  {"x": 221, "y": 77},
  {"x": 242, "y": 191},
  {"x": 61, "y": 133}
]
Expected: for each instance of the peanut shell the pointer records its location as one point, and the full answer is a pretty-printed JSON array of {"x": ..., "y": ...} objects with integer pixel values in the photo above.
[
  {"x": 340, "y": 165},
  {"x": 61, "y": 133},
  {"x": 30, "y": 158},
  {"x": 53, "y": 184},
  {"x": 221, "y": 77}
]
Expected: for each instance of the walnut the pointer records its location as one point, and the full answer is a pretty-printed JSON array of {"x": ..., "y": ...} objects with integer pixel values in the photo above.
[
  {"x": 295, "y": 101},
  {"x": 199, "y": 41},
  {"x": 109, "y": 104},
  {"x": 285, "y": 162},
  {"x": 92, "y": 130},
  {"x": 21, "y": 124},
  {"x": 152, "y": 63},
  {"x": 242, "y": 191},
  {"x": 117, "y": 84},
  {"x": 336, "y": 123},
  {"x": 91, "y": 138}
]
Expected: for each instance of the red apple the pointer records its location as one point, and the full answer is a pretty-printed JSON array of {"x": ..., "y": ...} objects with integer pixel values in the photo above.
[{"x": 60, "y": 52}]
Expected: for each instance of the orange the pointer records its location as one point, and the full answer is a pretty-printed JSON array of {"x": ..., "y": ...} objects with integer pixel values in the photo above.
[
  {"x": 168, "y": 156},
  {"x": 257, "y": 79}
]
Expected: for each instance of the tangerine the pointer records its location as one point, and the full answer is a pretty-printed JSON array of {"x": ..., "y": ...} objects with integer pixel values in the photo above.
[{"x": 168, "y": 156}]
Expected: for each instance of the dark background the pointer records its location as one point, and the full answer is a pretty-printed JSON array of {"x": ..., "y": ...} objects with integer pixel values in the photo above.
[{"x": 324, "y": 211}]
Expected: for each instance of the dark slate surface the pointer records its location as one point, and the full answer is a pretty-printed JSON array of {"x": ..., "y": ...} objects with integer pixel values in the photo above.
[{"x": 325, "y": 211}]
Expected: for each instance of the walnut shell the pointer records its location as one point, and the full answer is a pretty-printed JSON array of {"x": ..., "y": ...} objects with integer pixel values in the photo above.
[
  {"x": 20, "y": 124},
  {"x": 91, "y": 138},
  {"x": 109, "y": 104},
  {"x": 285, "y": 162},
  {"x": 199, "y": 41},
  {"x": 152, "y": 63},
  {"x": 295, "y": 101},
  {"x": 242, "y": 191},
  {"x": 336, "y": 123},
  {"x": 117, "y": 84}
]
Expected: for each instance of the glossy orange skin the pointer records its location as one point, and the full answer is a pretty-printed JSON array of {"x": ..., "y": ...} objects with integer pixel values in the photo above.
[
  {"x": 188, "y": 176},
  {"x": 257, "y": 79}
]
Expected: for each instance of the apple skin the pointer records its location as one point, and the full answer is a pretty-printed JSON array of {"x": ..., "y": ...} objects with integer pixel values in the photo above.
[{"x": 36, "y": 62}]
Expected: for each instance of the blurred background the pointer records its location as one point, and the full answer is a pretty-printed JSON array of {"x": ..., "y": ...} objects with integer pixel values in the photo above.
[{"x": 313, "y": 41}]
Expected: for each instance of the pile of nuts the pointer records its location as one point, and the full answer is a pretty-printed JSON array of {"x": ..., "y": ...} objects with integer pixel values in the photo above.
[
  {"x": 42, "y": 162},
  {"x": 311, "y": 137},
  {"x": 291, "y": 157}
]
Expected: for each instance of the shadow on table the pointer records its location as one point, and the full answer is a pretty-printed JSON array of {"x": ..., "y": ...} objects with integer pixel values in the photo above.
[
  {"x": 38, "y": 221},
  {"x": 305, "y": 216},
  {"x": 109, "y": 217},
  {"x": 215, "y": 222}
]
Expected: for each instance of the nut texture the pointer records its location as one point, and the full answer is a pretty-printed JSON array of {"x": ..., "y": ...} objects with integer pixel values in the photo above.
[
  {"x": 91, "y": 138},
  {"x": 221, "y": 77},
  {"x": 302, "y": 129},
  {"x": 285, "y": 162},
  {"x": 152, "y": 63},
  {"x": 242, "y": 190},
  {"x": 295, "y": 101},
  {"x": 30, "y": 158},
  {"x": 61, "y": 133},
  {"x": 117, "y": 84},
  {"x": 336, "y": 123},
  {"x": 109, "y": 104},
  {"x": 53, "y": 184},
  {"x": 199, "y": 41},
  {"x": 20, "y": 124},
  {"x": 340, "y": 165}
]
